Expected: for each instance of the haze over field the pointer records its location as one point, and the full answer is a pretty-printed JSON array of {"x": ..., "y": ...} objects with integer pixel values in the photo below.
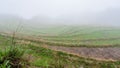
[
  {"x": 83, "y": 12},
  {"x": 59, "y": 33}
]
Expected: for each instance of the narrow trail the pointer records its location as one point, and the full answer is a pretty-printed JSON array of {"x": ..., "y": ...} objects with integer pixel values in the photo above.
[{"x": 107, "y": 54}]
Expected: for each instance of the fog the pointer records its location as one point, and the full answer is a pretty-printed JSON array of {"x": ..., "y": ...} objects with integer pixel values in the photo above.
[{"x": 83, "y": 12}]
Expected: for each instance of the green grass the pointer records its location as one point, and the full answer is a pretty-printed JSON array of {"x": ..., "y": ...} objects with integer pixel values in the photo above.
[
  {"x": 46, "y": 58},
  {"x": 11, "y": 57},
  {"x": 98, "y": 36},
  {"x": 81, "y": 36},
  {"x": 66, "y": 36}
]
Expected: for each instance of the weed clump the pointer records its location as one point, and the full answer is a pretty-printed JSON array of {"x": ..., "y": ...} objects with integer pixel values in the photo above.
[{"x": 11, "y": 57}]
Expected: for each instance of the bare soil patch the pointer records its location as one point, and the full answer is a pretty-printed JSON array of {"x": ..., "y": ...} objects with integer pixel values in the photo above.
[{"x": 108, "y": 54}]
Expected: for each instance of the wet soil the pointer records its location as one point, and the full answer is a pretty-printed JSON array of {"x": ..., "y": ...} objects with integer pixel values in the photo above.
[{"x": 109, "y": 53}]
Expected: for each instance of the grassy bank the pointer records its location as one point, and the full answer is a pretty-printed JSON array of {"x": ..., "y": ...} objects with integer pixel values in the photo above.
[{"x": 45, "y": 58}]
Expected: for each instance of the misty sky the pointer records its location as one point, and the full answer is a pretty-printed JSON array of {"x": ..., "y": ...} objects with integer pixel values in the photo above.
[{"x": 53, "y": 8}]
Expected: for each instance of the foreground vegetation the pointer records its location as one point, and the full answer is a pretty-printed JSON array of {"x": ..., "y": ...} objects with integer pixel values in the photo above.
[
  {"x": 45, "y": 58},
  {"x": 11, "y": 57}
]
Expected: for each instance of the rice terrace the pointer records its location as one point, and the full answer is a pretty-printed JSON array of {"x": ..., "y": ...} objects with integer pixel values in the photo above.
[{"x": 60, "y": 34}]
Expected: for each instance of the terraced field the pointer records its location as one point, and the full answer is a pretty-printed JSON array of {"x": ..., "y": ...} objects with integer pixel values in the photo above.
[
  {"x": 87, "y": 47},
  {"x": 42, "y": 57},
  {"x": 96, "y": 36}
]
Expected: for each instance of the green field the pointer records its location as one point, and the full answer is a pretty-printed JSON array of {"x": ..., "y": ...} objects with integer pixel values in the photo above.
[
  {"x": 32, "y": 39},
  {"x": 39, "y": 57},
  {"x": 96, "y": 36},
  {"x": 59, "y": 33}
]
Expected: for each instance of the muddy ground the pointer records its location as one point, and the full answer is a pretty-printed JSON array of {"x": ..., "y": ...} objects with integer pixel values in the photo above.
[
  {"x": 109, "y": 53},
  {"x": 106, "y": 53}
]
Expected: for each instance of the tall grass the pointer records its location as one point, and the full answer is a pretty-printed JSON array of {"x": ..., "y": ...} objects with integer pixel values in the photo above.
[{"x": 11, "y": 57}]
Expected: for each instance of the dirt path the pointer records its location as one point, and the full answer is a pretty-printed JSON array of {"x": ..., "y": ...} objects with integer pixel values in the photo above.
[{"x": 108, "y": 53}]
